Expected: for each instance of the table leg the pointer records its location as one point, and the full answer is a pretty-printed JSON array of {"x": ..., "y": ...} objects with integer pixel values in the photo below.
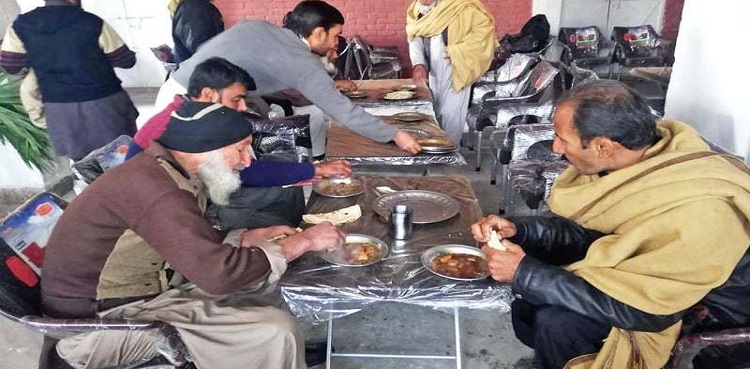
[
  {"x": 329, "y": 341},
  {"x": 457, "y": 334}
]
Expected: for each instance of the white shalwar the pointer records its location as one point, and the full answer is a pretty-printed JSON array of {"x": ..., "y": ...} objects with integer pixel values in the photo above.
[{"x": 450, "y": 106}]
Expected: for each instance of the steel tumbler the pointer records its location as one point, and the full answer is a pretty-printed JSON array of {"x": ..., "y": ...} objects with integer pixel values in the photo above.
[{"x": 400, "y": 222}]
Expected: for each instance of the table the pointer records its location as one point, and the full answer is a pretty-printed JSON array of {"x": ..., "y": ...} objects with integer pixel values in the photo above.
[
  {"x": 316, "y": 290},
  {"x": 343, "y": 143},
  {"x": 377, "y": 88}
]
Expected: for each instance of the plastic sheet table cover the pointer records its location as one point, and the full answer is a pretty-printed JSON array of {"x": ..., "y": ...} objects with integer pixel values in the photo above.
[
  {"x": 316, "y": 290},
  {"x": 344, "y": 143}
]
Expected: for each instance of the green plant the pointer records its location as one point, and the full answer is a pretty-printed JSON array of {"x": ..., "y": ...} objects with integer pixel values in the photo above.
[{"x": 31, "y": 142}]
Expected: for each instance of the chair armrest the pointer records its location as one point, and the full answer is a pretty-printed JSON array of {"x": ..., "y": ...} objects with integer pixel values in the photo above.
[
  {"x": 690, "y": 345},
  {"x": 61, "y": 328}
]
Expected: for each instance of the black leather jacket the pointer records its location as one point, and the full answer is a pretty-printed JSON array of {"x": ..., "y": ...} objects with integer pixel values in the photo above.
[{"x": 553, "y": 241}]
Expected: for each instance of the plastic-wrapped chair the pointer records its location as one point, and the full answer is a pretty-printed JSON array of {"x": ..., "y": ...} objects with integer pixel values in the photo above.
[
  {"x": 587, "y": 49},
  {"x": 166, "y": 57},
  {"x": 503, "y": 80},
  {"x": 360, "y": 65},
  {"x": 541, "y": 84},
  {"x": 102, "y": 159},
  {"x": 529, "y": 166},
  {"x": 639, "y": 46},
  {"x": 282, "y": 139},
  {"x": 23, "y": 233}
]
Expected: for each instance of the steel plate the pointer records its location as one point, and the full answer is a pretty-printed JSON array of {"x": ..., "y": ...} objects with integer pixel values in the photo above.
[
  {"x": 436, "y": 251},
  {"x": 404, "y": 88},
  {"x": 438, "y": 150},
  {"x": 409, "y": 116},
  {"x": 339, "y": 257},
  {"x": 428, "y": 206},
  {"x": 416, "y": 132},
  {"x": 325, "y": 187},
  {"x": 356, "y": 94}
]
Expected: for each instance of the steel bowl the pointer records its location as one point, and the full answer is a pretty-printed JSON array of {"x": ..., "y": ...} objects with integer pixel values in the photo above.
[
  {"x": 339, "y": 257},
  {"x": 325, "y": 187},
  {"x": 432, "y": 253}
]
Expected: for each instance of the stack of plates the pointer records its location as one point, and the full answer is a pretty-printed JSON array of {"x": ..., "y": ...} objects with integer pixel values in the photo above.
[
  {"x": 409, "y": 116},
  {"x": 438, "y": 145}
]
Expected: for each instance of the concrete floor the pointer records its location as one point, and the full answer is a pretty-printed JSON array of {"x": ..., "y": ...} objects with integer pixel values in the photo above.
[{"x": 487, "y": 340}]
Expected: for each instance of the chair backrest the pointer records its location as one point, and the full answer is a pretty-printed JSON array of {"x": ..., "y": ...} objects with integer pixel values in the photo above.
[
  {"x": 583, "y": 42},
  {"x": 278, "y": 138},
  {"x": 23, "y": 235},
  {"x": 516, "y": 66},
  {"x": 103, "y": 159},
  {"x": 539, "y": 78},
  {"x": 361, "y": 52},
  {"x": 638, "y": 41}
]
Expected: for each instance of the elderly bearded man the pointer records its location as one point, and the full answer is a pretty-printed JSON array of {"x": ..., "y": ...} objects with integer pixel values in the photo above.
[
  {"x": 648, "y": 222},
  {"x": 115, "y": 250},
  {"x": 453, "y": 41}
]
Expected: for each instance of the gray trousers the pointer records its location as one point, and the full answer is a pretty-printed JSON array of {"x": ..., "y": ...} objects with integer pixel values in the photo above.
[{"x": 217, "y": 335}]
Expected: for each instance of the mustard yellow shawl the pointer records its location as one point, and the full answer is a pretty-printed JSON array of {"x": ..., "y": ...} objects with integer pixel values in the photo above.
[
  {"x": 673, "y": 235},
  {"x": 471, "y": 36}
]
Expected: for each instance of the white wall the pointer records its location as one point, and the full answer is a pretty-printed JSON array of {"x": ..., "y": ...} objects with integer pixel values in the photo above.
[{"x": 710, "y": 85}]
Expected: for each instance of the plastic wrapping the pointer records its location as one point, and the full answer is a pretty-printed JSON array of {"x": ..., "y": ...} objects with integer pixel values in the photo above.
[
  {"x": 27, "y": 229},
  {"x": 316, "y": 290},
  {"x": 278, "y": 138},
  {"x": 344, "y": 143},
  {"x": 103, "y": 159}
]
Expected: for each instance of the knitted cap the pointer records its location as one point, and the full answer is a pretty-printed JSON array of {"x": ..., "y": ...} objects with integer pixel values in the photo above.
[{"x": 201, "y": 127}]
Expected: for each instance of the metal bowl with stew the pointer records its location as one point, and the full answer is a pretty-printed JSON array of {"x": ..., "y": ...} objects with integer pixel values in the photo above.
[{"x": 458, "y": 262}]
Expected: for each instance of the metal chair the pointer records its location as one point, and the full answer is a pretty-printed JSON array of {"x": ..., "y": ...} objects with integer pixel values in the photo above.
[
  {"x": 528, "y": 167},
  {"x": 503, "y": 80},
  {"x": 166, "y": 57},
  {"x": 639, "y": 46},
  {"x": 541, "y": 84},
  {"x": 23, "y": 235},
  {"x": 587, "y": 49},
  {"x": 360, "y": 63}
]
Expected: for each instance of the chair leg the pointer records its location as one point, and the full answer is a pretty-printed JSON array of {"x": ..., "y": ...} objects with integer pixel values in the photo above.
[
  {"x": 479, "y": 150},
  {"x": 493, "y": 170},
  {"x": 505, "y": 187}
]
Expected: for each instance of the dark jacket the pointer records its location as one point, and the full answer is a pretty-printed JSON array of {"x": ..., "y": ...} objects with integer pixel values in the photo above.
[
  {"x": 550, "y": 242},
  {"x": 193, "y": 23}
]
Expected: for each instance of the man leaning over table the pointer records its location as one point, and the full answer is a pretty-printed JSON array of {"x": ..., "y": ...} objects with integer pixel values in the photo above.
[
  {"x": 280, "y": 58},
  {"x": 647, "y": 223},
  {"x": 451, "y": 42},
  {"x": 114, "y": 250},
  {"x": 262, "y": 200}
]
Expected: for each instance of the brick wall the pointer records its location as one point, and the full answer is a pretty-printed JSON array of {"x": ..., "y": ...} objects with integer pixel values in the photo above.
[
  {"x": 672, "y": 18},
  {"x": 379, "y": 22}
]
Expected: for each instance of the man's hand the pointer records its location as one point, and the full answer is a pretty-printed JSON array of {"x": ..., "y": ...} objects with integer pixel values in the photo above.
[
  {"x": 346, "y": 85},
  {"x": 504, "y": 264},
  {"x": 406, "y": 142},
  {"x": 481, "y": 229},
  {"x": 335, "y": 168},
  {"x": 255, "y": 236},
  {"x": 321, "y": 237},
  {"x": 419, "y": 74}
]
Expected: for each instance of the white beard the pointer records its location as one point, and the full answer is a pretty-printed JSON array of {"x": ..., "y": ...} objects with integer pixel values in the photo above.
[
  {"x": 424, "y": 9},
  {"x": 328, "y": 65},
  {"x": 220, "y": 179}
]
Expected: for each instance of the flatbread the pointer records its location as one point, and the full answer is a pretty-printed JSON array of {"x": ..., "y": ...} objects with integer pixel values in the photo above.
[
  {"x": 495, "y": 243},
  {"x": 399, "y": 95},
  {"x": 337, "y": 217}
]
